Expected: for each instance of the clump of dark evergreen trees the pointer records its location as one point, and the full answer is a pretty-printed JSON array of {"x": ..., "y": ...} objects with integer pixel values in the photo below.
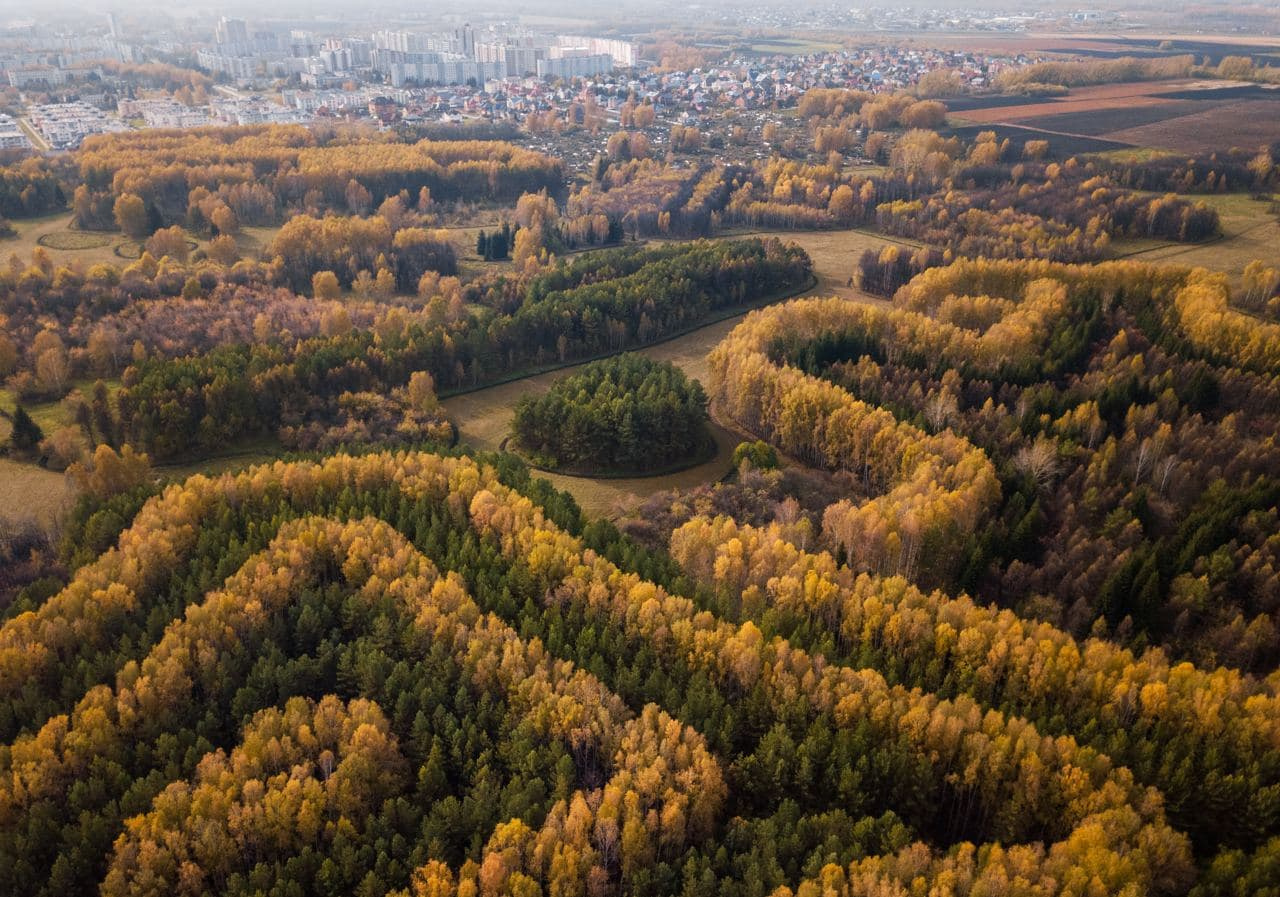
[{"x": 624, "y": 414}]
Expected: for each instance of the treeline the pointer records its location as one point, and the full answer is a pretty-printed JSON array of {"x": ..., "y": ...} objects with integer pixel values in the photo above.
[
  {"x": 578, "y": 309},
  {"x": 626, "y": 413},
  {"x": 32, "y": 186},
  {"x": 1067, "y": 73},
  {"x": 262, "y": 172},
  {"x": 1232, "y": 170}
]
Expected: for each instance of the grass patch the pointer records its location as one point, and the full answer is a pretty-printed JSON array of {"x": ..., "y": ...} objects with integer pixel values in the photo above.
[
  {"x": 51, "y": 416},
  {"x": 1132, "y": 155},
  {"x": 74, "y": 240},
  {"x": 65, "y": 244},
  {"x": 792, "y": 45},
  {"x": 1249, "y": 231},
  {"x": 30, "y": 492},
  {"x": 247, "y": 454}
]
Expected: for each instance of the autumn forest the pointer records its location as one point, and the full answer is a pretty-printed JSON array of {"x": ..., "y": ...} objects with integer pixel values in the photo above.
[{"x": 896, "y": 513}]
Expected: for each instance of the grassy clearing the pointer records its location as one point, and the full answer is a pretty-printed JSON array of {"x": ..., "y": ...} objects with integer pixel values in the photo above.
[
  {"x": 51, "y": 416},
  {"x": 1132, "y": 155},
  {"x": 252, "y": 241},
  {"x": 835, "y": 254},
  {"x": 64, "y": 245},
  {"x": 74, "y": 240},
  {"x": 29, "y": 492},
  {"x": 1249, "y": 231},
  {"x": 793, "y": 45}
]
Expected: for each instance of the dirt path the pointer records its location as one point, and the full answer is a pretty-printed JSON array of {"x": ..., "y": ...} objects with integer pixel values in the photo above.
[
  {"x": 484, "y": 421},
  {"x": 484, "y": 416}
]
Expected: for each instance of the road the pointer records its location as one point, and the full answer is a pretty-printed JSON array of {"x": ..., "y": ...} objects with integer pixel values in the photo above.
[{"x": 37, "y": 140}]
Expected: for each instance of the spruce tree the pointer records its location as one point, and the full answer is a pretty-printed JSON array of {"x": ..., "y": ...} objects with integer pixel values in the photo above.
[{"x": 26, "y": 435}]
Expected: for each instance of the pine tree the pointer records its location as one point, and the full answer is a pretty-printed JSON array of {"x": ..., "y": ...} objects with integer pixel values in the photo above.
[{"x": 26, "y": 435}]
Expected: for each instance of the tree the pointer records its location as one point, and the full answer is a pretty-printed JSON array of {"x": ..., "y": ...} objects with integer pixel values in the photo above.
[
  {"x": 8, "y": 355},
  {"x": 105, "y": 350},
  {"x": 1035, "y": 149},
  {"x": 131, "y": 215},
  {"x": 26, "y": 435},
  {"x": 63, "y": 448},
  {"x": 529, "y": 244},
  {"x": 224, "y": 220},
  {"x": 758, "y": 454},
  {"x": 53, "y": 370},
  {"x": 324, "y": 285},
  {"x": 422, "y": 392},
  {"x": 223, "y": 250}
]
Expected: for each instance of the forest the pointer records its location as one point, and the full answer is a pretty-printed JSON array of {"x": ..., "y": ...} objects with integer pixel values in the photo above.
[
  {"x": 575, "y": 310},
  {"x": 933, "y": 555},
  {"x": 255, "y": 174}
]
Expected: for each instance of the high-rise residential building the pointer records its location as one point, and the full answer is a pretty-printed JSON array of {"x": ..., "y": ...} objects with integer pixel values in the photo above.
[
  {"x": 570, "y": 66},
  {"x": 233, "y": 32},
  {"x": 467, "y": 41}
]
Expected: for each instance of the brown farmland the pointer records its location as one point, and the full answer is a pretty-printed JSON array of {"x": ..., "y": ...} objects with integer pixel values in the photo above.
[
  {"x": 1245, "y": 124},
  {"x": 1081, "y": 99}
]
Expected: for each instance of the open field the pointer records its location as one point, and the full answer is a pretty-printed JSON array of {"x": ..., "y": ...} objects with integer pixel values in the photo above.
[
  {"x": 60, "y": 241},
  {"x": 1097, "y": 122},
  {"x": 1249, "y": 231},
  {"x": 1095, "y": 43},
  {"x": 1246, "y": 124},
  {"x": 1210, "y": 48},
  {"x": 792, "y": 45},
  {"x": 1183, "y": 116},
  {"x": 1080, "y": 99},
  {"x": 1185, "y": 126},
  {"x": 29, "y": 492}
]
